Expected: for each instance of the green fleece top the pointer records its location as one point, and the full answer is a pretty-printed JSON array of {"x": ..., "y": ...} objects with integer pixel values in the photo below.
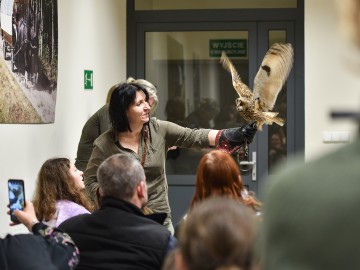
[
  {"x": 163, "y": 134},
  {"x": 311, "y": 219}
]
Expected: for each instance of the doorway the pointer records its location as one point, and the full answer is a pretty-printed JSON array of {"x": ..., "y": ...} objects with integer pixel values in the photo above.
[{"x": 180, "y": 58}]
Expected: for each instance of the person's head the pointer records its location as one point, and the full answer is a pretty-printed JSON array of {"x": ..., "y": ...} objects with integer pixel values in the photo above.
[
  {"x": 217, "y": 234},
  {"x": 128, "y": 106},
  {"x": 218, "y": 174},
  {"x": 59, "y": 174},
  {"x": 121, "y": 176},
  {"x": 175, "y": 109},
  {"x": 276, "y": 141},
  {"x": 58, "y": 179},
  {"x": 150, "y": 88},
  {"x": 208, "y": 109}
]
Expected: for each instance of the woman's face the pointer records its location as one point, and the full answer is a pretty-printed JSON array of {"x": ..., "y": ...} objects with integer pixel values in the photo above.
[
  {"x": 77, "y": 176},
  {"x": 275, "y": 141},
  {"x": 138, "y": 112}
]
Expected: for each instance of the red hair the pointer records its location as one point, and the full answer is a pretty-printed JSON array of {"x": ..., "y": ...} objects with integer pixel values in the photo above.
[{"x": 219, "y": 175}]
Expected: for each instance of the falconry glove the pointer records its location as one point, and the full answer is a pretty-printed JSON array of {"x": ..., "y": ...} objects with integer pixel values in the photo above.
[{"x": 231, "y": 139}]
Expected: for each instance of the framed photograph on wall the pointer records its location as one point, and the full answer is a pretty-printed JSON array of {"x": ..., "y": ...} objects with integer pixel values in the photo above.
[{"x": 28, "y": 61}]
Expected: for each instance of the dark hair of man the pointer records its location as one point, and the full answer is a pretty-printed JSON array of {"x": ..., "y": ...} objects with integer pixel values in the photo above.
[
  {"x": 119, "y": 175},
  {"x": 122, "y": 97}
]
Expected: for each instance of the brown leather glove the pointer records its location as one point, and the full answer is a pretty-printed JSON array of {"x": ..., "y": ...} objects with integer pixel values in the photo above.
[{"x": 231, "y": 139}]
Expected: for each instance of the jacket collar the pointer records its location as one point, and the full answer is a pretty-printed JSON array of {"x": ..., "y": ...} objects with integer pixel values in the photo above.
[{"x": 120, "y": 204}]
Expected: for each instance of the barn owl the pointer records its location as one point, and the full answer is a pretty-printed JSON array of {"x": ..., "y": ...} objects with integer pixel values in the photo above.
[{"x": 268, "y": 82}]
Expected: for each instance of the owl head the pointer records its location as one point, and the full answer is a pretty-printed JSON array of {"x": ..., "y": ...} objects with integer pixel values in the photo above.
[{"x": 240, "y": 104}]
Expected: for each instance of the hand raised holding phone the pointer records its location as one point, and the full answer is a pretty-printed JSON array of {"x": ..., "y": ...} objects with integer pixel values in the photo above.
[
  {"x": 16, "y": 193},
  {"x": 26, "y": 216}
]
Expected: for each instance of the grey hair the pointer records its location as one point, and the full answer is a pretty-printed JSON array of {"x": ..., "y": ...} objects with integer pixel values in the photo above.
[
  {"x": 152, "y": 90},
  {"x": 119, "y": 175}
]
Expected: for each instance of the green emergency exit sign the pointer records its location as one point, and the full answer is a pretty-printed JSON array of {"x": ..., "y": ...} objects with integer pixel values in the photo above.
[
  {"x": 232, "y": 47},
  {"x": 88, "y": 79}
]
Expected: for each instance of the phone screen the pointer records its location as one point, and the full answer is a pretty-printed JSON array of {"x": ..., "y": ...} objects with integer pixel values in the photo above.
[{"x": 16, "y": 196}]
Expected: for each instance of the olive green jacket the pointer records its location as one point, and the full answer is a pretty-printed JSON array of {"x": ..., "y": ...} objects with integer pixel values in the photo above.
[
  {"x": 163, "y": 135},
  {"x": 97, "y": 124},
  {"x": 311, "y": 218}
]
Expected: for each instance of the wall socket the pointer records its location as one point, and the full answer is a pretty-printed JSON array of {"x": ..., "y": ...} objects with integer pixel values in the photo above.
[{"x": 336, "y": 137}]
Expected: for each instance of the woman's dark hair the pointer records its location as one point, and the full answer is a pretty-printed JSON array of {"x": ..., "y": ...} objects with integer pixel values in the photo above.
[{"x": 122, "y": 97}]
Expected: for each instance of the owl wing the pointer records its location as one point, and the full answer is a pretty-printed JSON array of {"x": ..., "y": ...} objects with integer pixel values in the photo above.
[
  {"x": 241, "y": 88},
  {"x": 272, "y": 74}
]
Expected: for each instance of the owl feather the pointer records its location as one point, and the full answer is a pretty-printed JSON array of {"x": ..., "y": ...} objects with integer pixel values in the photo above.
[{"x": 268, "y": 82}]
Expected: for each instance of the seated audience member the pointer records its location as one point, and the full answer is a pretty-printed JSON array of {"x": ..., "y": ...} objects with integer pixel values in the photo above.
[
  {"x": 218, "y": 234},
  {"x": 219, "y": 175},
  {"x": 60, "y": 192},
  {"x": 100, "y": 122},
  {"x": 46, "y": 249},
  {"x": 119, "y": 235}
]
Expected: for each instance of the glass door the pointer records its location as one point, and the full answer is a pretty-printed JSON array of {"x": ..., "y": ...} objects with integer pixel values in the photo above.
[
  {"x": 276, "y": 143},
  {"x": 194, "y": 90},
  {"x": 183, "y": 61}
]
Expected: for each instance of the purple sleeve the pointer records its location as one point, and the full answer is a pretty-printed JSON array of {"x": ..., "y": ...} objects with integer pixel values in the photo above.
[{"x": 68, "y": 210}]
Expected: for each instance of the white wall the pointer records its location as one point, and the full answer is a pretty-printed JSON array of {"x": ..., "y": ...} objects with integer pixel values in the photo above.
[
  {"x": 92, "y": 35},
  {"x": 330, "y": 82}
]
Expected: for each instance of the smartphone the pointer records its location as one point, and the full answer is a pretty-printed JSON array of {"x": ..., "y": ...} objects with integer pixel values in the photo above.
[{"x": 16, "y": 195}]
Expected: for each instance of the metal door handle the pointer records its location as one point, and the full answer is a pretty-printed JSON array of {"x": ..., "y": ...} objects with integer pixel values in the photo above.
[
  {"x": 247, "y": 162},
  {"x": 253, "y": 164}
]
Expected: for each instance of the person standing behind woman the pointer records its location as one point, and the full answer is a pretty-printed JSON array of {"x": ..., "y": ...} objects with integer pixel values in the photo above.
[
  {"x": 59, "y": 192},
  {"x": 94, "y": 126},
  {"x": 99, "y": 122},
  {"x": 148, "y": 140}
]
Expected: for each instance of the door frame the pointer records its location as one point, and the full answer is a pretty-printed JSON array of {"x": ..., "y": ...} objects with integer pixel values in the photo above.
[
  {"x": 294, "y": 129},
  {"x": 137, "y": 21}
]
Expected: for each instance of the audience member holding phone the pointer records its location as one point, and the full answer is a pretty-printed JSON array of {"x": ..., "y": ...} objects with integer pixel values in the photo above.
[
  {"x": 60, "y": 192},
  {"x": 46, "y": 249}
]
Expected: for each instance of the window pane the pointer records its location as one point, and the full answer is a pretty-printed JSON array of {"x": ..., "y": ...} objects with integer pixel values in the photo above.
[
  {"x": 277, "y": 150},
  {"x": 211, "y": 4},
  {"x": 194, "y": 89}
]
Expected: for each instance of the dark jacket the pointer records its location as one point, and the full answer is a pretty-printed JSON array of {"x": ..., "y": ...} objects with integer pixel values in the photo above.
[
  {"x": 118, "y": 236},
  {"x": 47, "y": 249}
]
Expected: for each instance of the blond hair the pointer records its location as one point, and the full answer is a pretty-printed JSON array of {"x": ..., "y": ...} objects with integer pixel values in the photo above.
[{"x": 111, "y": 90}]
